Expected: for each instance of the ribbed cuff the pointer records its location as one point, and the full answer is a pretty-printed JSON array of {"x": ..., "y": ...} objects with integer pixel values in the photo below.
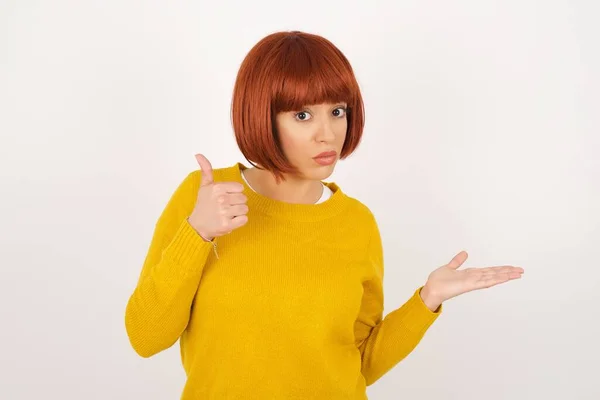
[
  {"x": 417, "y": 316},
  {"x": 187, "y": 252}
]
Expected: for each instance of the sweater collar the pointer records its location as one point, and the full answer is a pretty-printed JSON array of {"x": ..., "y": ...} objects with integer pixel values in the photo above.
[{"x": 331, "y": 207}]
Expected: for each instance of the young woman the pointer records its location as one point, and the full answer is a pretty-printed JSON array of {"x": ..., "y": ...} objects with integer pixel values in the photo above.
[{"x": 270, "y": 277}]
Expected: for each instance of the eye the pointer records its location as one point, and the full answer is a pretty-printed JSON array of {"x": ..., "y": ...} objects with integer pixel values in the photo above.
[
  {"x": 302, "y": 116},
  {"x": 339, "y": 112}
]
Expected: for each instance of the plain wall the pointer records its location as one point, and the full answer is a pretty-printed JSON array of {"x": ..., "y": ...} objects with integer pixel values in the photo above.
[{"x": 481, "y": 134}]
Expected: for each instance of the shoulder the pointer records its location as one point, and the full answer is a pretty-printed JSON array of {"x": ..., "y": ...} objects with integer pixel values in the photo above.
[
  {"x": 193, "y": 179},
  {"x": 361, "y": 213},
  {"x": 183, "y": 199},
  {"x": 366, "y": 228}
]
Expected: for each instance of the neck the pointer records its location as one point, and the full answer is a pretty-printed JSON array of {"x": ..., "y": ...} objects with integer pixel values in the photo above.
[{"x": 293, "y": 190}]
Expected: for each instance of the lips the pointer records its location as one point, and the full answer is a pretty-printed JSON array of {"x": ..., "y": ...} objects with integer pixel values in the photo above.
[
  {"x": 326, "y": 154},
  {"x": 326, "y": 158}
]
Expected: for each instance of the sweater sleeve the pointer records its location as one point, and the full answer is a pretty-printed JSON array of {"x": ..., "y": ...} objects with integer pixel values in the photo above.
[
  {"x": 158, "y": 310},
  {"x": 384, "y": 342}
]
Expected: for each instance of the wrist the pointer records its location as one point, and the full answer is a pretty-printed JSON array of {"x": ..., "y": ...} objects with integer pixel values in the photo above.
[
  {"x": 431, "y": 300},
  {"x": 206, "y": 237}
]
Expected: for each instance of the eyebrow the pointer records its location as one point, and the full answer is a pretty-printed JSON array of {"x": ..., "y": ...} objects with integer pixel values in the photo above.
[{"x": 337, "y": 105}]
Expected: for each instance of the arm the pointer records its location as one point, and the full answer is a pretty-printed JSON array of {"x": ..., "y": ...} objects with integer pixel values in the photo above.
[
  {"x": 158, "y": 310},
  {"x": 384, "y": 342}
]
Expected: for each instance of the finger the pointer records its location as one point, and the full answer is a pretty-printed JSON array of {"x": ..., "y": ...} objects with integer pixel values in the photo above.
[
  {"x": 237, "y": 222},
  {"x": 496, "y": 279},
  {"x": 502, "y": 269},
  {"x": 234, "y": 199},
  {"x": 514, "y": 271},
  {"x": 235, "y": 211},
  {"x": 458, "y": 260},
  {"x": 206, "y": 169},
  {"x": 230, "y": 187}
]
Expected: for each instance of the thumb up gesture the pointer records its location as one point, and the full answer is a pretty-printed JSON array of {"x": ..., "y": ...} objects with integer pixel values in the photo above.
[{"x": 220, "y": 206}]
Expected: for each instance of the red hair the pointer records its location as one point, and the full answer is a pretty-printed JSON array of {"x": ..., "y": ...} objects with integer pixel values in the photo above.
[{"x": 286, "y": 71}]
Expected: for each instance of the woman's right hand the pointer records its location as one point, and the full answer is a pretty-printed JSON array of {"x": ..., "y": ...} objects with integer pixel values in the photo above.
[{"x": 220, "y": 206}]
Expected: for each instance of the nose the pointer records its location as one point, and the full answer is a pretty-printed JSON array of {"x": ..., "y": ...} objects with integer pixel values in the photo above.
[{"x": 325, "y": 132}]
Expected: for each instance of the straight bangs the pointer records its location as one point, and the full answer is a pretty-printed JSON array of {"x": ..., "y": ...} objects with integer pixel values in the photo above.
[{"x": 308, "y": 73}]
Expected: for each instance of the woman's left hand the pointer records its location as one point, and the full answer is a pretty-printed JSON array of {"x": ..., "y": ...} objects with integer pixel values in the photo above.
[{"x": 447, "y": 281}]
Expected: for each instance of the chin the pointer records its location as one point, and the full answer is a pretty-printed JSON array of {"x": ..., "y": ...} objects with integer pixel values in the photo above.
[{"x": 319, "y": 173}]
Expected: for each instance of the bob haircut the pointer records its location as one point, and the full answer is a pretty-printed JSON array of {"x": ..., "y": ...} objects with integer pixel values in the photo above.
[{"x": 286, "y": 71}]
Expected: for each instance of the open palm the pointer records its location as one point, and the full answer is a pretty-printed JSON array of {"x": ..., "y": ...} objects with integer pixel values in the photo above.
[{"x": 448, "y": 281}]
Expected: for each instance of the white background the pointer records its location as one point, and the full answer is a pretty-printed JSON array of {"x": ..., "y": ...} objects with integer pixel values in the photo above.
[{"x": 481, "y": 134}]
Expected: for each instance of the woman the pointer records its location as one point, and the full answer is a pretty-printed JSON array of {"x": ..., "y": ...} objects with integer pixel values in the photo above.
[{"x": 271, "y": 278}]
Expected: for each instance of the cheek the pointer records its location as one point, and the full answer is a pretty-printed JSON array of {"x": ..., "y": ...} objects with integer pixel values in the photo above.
[
  {"x": 341, "y": 130},
  {"x": 295, "y": 134},
  {"x": 293, "y": 143},
  {"x": 287, "y": 140}
]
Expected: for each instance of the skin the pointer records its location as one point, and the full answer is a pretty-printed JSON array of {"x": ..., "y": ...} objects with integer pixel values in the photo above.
[
  {"x": 322, "y": 127},
  {"x": 304, "y": 134}
]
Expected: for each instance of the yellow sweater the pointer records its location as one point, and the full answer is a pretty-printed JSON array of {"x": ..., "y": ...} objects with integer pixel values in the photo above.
[{"x": 290, "y": 306}]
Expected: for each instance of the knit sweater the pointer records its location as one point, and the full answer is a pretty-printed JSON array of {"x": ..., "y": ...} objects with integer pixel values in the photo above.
[{"x": 289, "y": 306}]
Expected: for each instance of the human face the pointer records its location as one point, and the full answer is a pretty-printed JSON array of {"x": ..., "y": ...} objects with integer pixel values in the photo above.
[{"x": 306, "y": 133}]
